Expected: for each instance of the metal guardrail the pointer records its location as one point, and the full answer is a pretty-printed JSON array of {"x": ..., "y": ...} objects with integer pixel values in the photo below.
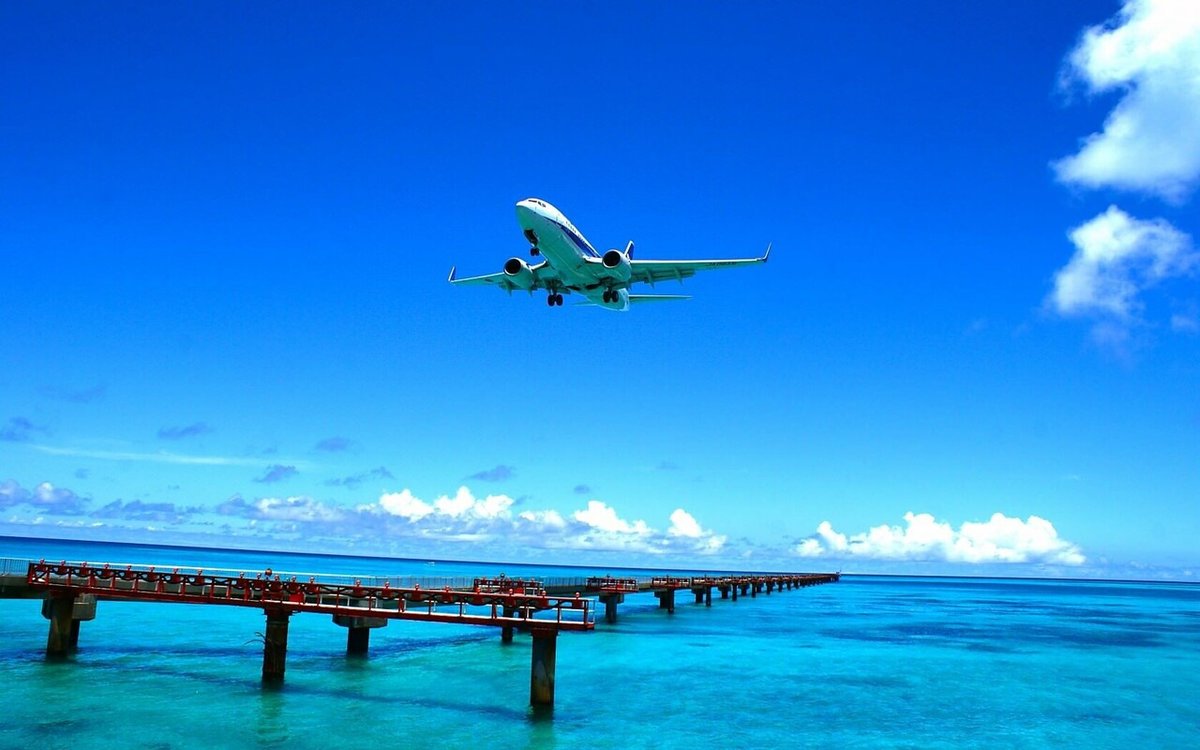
[
  {"x": 12, "y": 566},
  {"x": 19, "y": 566},
  {"x": 272, "y": 590}
]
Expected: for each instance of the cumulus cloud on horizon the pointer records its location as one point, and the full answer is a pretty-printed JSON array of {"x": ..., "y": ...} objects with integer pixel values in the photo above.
[
  {"x": 44, "y": 497},
  {"x": 596, "y": 526},
  {"x": 1000, "y": 539},
  {"x": 393, "y": 517}
]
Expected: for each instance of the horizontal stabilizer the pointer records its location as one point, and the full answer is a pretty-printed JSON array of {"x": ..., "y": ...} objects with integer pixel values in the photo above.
[{"x": 656, "y": 297}]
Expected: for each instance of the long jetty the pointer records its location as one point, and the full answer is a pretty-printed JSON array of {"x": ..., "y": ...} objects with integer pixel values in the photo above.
[{"x": 542, "y": 607}]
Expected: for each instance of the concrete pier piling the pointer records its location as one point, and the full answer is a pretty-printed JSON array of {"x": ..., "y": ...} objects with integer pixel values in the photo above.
[
  {"x": 506, "y": 631},
  {"x": 541, "y": 667},
  {"x": 610, "y": 606},
  {"x": 59, "y": 608},
  {"x": 275, "y": 645},
  {"x": 358, "y": 641},
  {"x": 666, "y": 600},
  {"x": 65, "y": 611},
  {"x": 358, "y": 631}
]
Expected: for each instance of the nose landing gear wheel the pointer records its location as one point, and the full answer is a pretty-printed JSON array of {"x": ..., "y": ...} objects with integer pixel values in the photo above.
[{"x": 534, "y": 251}]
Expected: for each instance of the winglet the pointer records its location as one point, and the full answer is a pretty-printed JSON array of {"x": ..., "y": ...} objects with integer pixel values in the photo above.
[
  {"x": 452, "y": 270},
  {"x": 767, "y": 254}
]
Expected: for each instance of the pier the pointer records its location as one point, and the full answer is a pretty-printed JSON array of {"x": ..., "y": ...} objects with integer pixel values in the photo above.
[{"x": 543, "y": 608}]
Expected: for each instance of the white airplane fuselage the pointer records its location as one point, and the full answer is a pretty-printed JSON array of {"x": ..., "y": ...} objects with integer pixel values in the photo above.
[
  {"x": 569, "y": 264},
  {"x": 566, "y": 250}
]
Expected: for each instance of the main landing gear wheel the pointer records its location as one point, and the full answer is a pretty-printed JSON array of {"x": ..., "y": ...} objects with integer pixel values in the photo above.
[
  {"x": 554, "y": 299},
  {"x": 534, "y": 251},
  {"x": 611, "y": 295}
]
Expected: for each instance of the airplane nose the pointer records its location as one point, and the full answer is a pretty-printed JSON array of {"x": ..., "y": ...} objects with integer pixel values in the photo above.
[{"x": 527, "y": 211}]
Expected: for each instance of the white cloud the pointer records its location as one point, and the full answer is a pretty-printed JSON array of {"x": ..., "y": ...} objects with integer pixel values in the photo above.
[
  {"x": 465, "y": 505},
  {"x": 404, "y": 504},
  {"x": 1151, "y": 140},
  {"x": 44, "y": 496},
  {"x": 683, "y": 524},
  {"x": 601, "y": 517},
  {"x": 300, "y": 508},
  {"x": 596, "y": 526},
  {"x": 548, "y": 518},
  {"x": 1116, "y": 258},
  {"x": 1000, "y": 539}
]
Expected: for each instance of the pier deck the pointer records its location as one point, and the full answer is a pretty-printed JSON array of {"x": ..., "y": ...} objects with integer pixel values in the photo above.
[{"x": 541, "y": 607}]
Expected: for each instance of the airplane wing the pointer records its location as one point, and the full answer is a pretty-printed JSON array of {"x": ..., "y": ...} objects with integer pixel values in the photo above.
[
  {"x": 636, "y": 298},
  {"x": 652, "y": 271},
  {"x": 543, "y": 275}
]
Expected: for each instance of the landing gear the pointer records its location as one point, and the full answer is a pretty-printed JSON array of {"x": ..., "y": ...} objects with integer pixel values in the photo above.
[
  {"x": 554, "y": 299},
  {"x": 533, "y": 242},
  {"x": 611, "y": 295}
]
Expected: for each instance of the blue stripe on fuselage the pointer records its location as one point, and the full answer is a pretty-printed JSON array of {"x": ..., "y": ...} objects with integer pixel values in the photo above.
[{"x": 579, "y": 241}]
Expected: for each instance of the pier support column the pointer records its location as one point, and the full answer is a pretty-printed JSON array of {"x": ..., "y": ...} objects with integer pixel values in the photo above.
[
  {"x": 65, "y": 611},
  {"x": 541, "y": 668},
  {"x": 506, "y": 631},
  {"x": 724, "y": 591},
  {"x": 734, "y": 590},
  {"x": 708, "y": 596},
  {"x": 358, "y": 631},
  {"x": 59, "y": 608},
  {"x": 754, "y": 587},
  {"x": 610, "y": 606},
  {"x": 275, "y": 645},
  {"x": 666, "y": 600},
  {"x": 358, "y": 640}
]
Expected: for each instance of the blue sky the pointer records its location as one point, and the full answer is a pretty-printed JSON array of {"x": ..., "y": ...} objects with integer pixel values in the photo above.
[{"x": 225, "y": 232}]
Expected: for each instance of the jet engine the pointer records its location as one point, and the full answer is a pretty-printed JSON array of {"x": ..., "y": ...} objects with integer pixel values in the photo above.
[
  {"x": 617, "y": 264},
  {"x": 519, "y": 274}
]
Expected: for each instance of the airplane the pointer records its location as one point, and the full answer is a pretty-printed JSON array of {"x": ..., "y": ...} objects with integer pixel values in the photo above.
[{"x": 571, "y": 265}]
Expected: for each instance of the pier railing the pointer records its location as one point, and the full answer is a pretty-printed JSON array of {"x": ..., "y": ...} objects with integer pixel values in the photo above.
[
  {"x": 541, "y": 607},
  {"x": 354, "y": 597}
]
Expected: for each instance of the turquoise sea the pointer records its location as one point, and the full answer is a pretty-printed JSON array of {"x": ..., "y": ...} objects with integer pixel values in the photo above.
[{"x": 869, "y": 662}]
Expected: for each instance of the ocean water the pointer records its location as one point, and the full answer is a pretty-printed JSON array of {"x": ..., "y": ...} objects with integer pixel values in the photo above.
[{"x": 868, "y": 662}]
